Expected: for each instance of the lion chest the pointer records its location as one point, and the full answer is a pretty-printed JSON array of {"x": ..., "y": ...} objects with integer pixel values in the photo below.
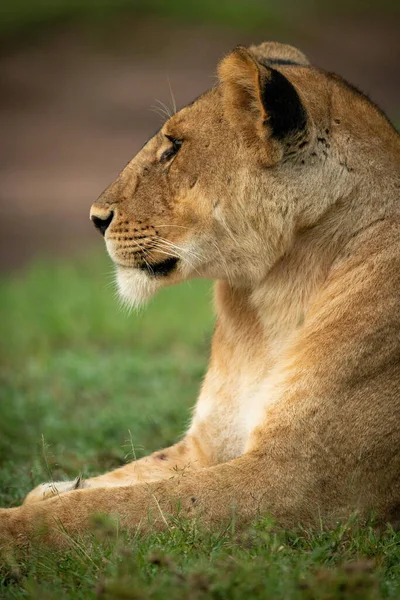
[{"x": 228, "y": 411}]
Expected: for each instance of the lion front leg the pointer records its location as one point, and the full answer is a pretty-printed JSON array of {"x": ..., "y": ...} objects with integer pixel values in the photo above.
[
  {"x": 239, "y": 489},
  {"x": 44, "y": 491},
  {"x": 184, "y": 456}
]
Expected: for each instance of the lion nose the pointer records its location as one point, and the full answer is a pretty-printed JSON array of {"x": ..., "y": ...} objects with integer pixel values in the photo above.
[{"x": 102, "y": 221}]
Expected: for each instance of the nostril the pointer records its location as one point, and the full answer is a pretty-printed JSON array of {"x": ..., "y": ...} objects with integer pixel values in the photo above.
[{"x": 102, "y": 224}]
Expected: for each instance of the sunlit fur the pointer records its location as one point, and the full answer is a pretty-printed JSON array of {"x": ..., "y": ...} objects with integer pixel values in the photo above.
[{"x": 299, "y": 410}]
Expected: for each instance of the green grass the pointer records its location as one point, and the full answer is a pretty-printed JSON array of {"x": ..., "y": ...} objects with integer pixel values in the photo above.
[
  {"x": 23, "y": 14},
  {"x": 26, "y": 16},
  {"x": 81, "y": 383}
]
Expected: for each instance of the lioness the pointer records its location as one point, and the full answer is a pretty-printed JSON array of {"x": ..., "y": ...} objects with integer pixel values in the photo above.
[{"x": 281, "y": 183}]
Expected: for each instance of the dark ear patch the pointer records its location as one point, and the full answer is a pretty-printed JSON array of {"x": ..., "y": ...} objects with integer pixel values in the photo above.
[
  {"x": 262, "y": 104},
  {"x": 286, "y": 115}
]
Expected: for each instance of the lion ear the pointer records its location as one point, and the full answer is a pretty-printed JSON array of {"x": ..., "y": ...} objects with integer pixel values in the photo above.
[
  {"x": 261, "y": 103},
  {"x": 275, "y": 53}
]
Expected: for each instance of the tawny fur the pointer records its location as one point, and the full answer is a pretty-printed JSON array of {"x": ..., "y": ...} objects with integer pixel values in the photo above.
[{"x": 299, "y": 411}]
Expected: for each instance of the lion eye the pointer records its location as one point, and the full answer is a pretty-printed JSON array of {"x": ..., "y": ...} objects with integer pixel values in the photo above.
[{"x": 170, "y": 152}]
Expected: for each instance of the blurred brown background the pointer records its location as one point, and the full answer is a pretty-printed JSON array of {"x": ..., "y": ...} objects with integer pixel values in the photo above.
[{"x": 78, "y": 81}]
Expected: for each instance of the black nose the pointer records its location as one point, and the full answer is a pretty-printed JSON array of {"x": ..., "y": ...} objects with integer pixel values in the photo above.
[{"x": 102, "y": 224}]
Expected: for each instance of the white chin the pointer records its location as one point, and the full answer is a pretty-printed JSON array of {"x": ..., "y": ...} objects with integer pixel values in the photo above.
[{"x": 136, "y": 287}]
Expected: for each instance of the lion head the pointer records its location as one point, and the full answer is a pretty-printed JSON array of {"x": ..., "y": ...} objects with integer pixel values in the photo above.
[{"x": 223, "y": 188}]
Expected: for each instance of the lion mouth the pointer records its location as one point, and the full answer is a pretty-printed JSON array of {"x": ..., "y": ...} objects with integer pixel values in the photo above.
[{"x": 160, "y": 269}]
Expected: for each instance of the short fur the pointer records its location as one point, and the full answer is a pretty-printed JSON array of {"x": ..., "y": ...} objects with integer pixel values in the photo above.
[{"x": 294, "y": 210}]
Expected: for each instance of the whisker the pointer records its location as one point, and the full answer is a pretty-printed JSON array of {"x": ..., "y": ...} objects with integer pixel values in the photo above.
[
  {"x": 172, "y": 245},
  {"x": 148, "y": 265},
  {"x": 160, "y": 113},
  {"x": 172, "y": 225},
  {"x": 177, "y": 255},
  {"x": 200, "y": 257},
  {"x": 138, "y": 249},
  {"x": 179, "y": 249},
  {"x": 161, "y": 110},
  {"x": 187, "y": 253},
  {"x": 165, "y": 107},
  {"x": 172, "y": 95}
]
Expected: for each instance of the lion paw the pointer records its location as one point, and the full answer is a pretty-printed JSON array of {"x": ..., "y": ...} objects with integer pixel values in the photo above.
[{"x": 47, "y": 490}]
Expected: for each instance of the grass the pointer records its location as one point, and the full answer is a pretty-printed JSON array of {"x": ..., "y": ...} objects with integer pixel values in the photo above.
[
  {"x": 25, "y": 16},
  {"x": 84, "y": 386}
]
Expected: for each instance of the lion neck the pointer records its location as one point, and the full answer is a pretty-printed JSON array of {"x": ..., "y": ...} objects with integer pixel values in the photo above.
[{"x": 280, "y": 301}]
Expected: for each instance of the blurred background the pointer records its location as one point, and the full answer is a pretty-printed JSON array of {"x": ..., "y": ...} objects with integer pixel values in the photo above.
[{"x": 82, "y": 83}]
